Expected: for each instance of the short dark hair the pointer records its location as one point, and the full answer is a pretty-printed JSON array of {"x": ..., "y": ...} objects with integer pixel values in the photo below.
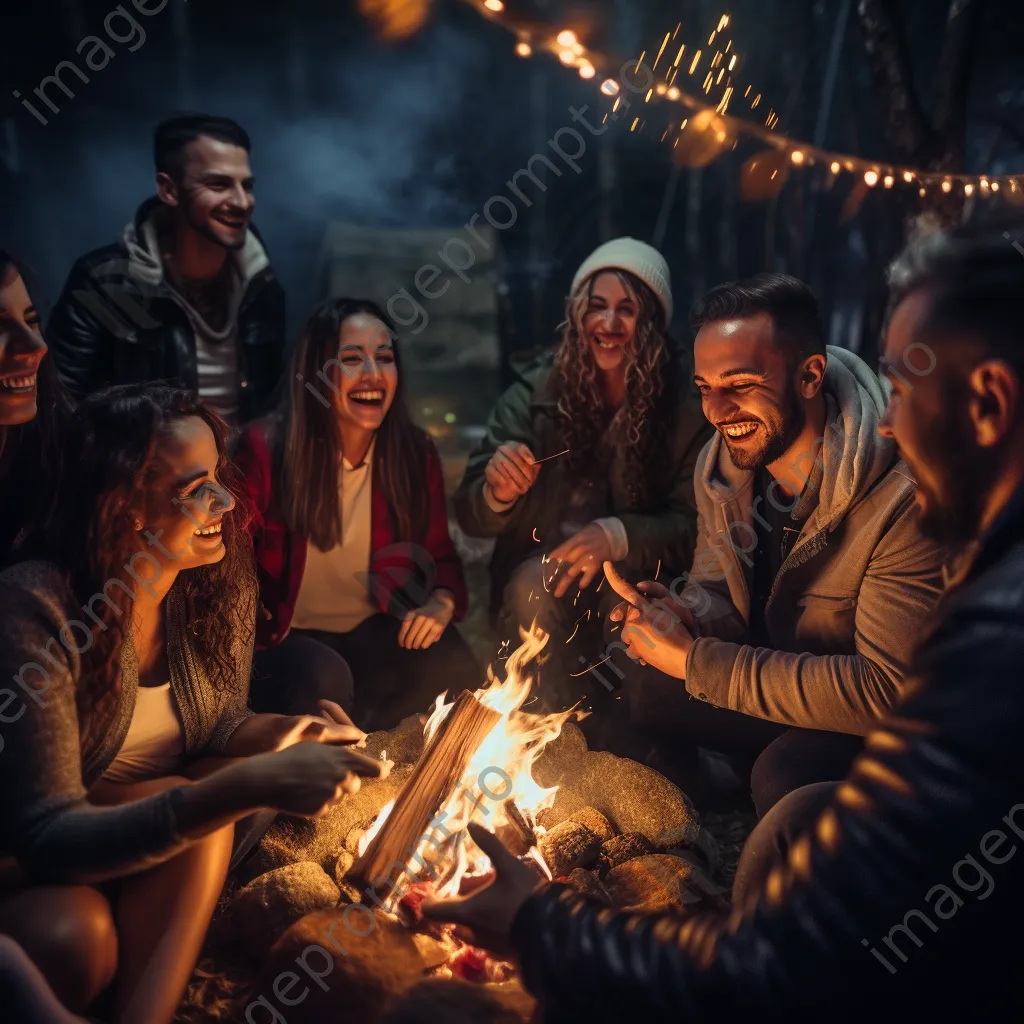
[
  {"x": 974, "y": 278},
  {"x": 173, "y": 135},
  {"x": 787, "y": 300}
]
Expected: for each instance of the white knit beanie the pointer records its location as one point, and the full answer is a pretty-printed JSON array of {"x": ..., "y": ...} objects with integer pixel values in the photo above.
[{"x": 638, "y": 258}]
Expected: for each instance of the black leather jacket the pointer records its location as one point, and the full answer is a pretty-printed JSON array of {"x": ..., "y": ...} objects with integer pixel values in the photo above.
[
  {"x": 922, "y": 846},
  {"x": 108, "y": 327}
]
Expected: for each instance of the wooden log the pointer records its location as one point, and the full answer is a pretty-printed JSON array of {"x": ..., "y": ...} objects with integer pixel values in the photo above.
[
  {"x": 515, "y": 834},
  {"x": 434, "y": 780}
]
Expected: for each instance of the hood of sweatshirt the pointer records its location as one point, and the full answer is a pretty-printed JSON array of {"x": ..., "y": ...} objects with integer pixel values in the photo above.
[
  {"x": 144, "y": 262},
  {"x": 852, "y": 455}
]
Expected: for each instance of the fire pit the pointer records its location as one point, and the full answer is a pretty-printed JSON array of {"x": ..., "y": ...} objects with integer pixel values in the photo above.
[{"x": 356, "y": 879}]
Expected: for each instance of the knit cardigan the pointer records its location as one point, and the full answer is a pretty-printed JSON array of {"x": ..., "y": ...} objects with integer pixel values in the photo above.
[{"x": 45, "y": 818}]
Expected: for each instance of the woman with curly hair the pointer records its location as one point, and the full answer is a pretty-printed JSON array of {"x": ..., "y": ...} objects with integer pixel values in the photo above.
[
  {"x": 588, "y": 458},
  {"x": 129, "y": 637}
]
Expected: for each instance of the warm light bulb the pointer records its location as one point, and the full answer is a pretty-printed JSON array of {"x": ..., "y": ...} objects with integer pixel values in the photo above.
[
  {"x": 610, "y": 87},
  {"x": 494, "y": 5},
  {"x": 567, "y": 57},
  {"x": 661, "y": 88},
  {"x": 797, "y": 156},
  {"x": 673, "y": 94},
  {"x": 566, "y": 38},
  {"x": 871, "y": 178},
  {"x": 524, "y": 49},
  {"x": 888, "y": 181},
  {"x": 587, "y": 70},
  {"x": 968, "y": 189},
  {"x": 947, "y": 186},
  {"x": 834, "y": 167},
  {"x": 984, "y": 184},
  {"x": 908, "y": 176},
  {"x": 922, "y": 191},
  {"x": 995, "y": 186}
]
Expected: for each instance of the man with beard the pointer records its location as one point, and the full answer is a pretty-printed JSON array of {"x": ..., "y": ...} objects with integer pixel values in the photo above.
[
  {"x": 881, "y": 910},
  {"x": 187, "y": 294},
  {"x": 811, "y": 581}
]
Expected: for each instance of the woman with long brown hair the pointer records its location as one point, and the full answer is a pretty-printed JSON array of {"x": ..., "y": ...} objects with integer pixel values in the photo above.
[
  {"x": 129, "y": 636},
  {"x": 359, "y": 579},
  {"x": 588, "y": 458}
]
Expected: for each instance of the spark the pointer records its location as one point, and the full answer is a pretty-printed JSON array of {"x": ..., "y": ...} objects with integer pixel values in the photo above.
[
  {"x": 530, "y": 598},
  {"x": 575, "y": 630},
  {"x": 535, "y": 537},
  {"x": 695, "y": 62},
  {"x": 661, "y": 51},
  {"x": 601, "y": 584},
  {"x": 574, "y": 675},
  {"x": 679, "y": 56},
  {"x": 658, "y": 570}
]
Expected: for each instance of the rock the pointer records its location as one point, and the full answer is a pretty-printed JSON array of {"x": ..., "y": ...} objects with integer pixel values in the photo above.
[
  {"x": 593, "y": 819},
  {"x": 653, "y": 883},
  {"x": 559, "y": 755},
  {"x": 633, "y": 797},
  {"x": 261, "y": 911},
  {"x": 351, "y": 844},
  {"x": 348, "y": 962},
  {"x": 343, "y": 865},
  {"x": 568, "y": 845},
  {"x": 587, "y": 883},
  {"x": 443, "y": 1000},
  {"x": 320, "y": 839},
  {"x": 619, "y": 849},
  {"x": 403, "y": 744}
]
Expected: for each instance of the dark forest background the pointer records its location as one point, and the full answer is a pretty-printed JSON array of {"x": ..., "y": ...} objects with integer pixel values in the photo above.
[{"x": 422, "y": 133}]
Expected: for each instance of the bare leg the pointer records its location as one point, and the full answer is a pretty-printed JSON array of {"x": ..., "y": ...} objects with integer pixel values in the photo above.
[
  {"x": 162, "y": 917},
  {"x": 68, "y": 932}
]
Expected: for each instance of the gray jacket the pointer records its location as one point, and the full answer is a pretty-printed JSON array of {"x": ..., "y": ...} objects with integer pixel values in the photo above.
[
  {"x": 851, "y": 601},
  {"x": 45, "y": 818}
]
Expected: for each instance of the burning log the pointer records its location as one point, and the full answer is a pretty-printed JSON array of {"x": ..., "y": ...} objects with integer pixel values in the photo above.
[
  {"x": 516, "y": 833},
  {"x": 433, "y": 781},
  {"x": 569, "y": 845}
]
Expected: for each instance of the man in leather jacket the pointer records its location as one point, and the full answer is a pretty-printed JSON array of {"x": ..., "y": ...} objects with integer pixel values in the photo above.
[
  {"x": 187, "y": 294},
  {"x": 903, "y": 899}
]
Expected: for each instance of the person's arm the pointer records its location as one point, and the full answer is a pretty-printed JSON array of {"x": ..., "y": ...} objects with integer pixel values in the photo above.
[
  {"x": 934, "y": 780},
  {"x": 79, "y": 341},
  {"x": 669, "y": 536},
  {"x": 841, "y": 692},
  {"x": 449, "y": 580},
  {"x": 475, "y": 507}
]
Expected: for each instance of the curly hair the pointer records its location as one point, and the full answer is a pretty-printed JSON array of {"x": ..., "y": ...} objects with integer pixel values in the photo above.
[
  {"x": 110, "y": 467},
  {"x": 651, "y": 373}
]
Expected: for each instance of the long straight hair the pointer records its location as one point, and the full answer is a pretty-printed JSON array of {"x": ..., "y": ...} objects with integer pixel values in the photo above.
[
  {"x": 30, "y": 453},
  {"x": 306, "y": 438}
]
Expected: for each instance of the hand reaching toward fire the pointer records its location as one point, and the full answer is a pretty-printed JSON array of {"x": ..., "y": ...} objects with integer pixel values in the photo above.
[
  {"x": 583, "y": 552},
  {"x": 260, "y": 733},
  {"x": 490, "y": 911},
  {"x": 653, "y": 631},
  {"x": 423, "y": 626}
]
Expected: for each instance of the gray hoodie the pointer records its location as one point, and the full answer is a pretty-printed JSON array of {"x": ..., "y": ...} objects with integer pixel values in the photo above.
[{"x": 852, "y": 599}]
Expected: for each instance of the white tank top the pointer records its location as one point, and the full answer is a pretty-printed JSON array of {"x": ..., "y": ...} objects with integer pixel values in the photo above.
[{"x": 155, "y": 741}]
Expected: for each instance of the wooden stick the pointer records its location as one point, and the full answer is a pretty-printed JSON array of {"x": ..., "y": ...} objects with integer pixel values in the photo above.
[
  {"x": 431, "y": 785},
  {"x": 537, "y": 462},
  {"x": 516, "y": 833}
]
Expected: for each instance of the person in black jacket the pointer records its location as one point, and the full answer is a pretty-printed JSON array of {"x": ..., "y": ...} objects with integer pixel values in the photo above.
[
  {"x": 187, "y": 294},
  {"x": 903, "y": 896}
]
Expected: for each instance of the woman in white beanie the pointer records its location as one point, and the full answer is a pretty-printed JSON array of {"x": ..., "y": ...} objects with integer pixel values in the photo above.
[{"x": 618, "y": 394}]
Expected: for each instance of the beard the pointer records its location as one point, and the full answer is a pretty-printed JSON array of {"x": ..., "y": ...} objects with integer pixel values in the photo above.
[
  {"x": 962, "y": 473},
  {"x": 779, "y": 435},
  {"x": 202, "y": 227}
]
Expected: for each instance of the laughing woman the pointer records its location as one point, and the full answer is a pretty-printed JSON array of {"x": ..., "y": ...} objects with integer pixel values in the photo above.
[
  {"x": 129, "y": 636},
  {"x": 589, "y": 457},
  {"x": 357, "y": 570},
  {"x": 32, "y": 408}
]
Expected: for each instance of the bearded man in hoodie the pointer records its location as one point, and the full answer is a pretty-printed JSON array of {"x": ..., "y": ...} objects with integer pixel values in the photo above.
[
  {"x": 187, "y": 294},
  {"x": 811, "y": 583}
]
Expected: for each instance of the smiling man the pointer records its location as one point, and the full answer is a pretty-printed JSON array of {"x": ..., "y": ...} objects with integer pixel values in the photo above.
[
  {"x": 187, "y": 295},
  {"x": 811, "y": 581}
]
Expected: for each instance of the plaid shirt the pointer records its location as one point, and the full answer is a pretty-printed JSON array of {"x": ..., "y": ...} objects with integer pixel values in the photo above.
[{"x": 401, "y": 574}]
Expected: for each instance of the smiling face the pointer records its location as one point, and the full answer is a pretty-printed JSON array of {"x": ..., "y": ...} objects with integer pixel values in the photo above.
[
  {"x": 215, "y": 192},
  {"x": 186, "y": 505},
  {"x": 368, "y": 377},
  {"x": 609, "y": 320},
  {"x": 21, "y": 350},
  {"x": 748, "y": 389}
]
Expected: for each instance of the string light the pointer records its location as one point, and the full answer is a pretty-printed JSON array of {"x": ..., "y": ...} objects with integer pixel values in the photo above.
[
  {"x": 567, "y": 57},
  {"x": 494, "y": 5},
  {"x": 968, "y": 189},
  {"x": 797, "y": 156},
  {"x": 566, "y": 39},
  {"x": 908, "y": 176},
  {"x": 524, "y": 49},
  {"x": 947, "y": 186},
  {"x": 995, "y": 186},
  {"x": 587, "y": 70},
  {"x": 871, "y": 178},
  {"x": 610, "y": 87},
  {"x": 834, "y": 167},
  {"x": 888, "y": 181}
]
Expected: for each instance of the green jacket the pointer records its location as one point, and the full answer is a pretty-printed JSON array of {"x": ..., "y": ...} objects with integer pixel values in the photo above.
[{"x": 528, "y": 412}]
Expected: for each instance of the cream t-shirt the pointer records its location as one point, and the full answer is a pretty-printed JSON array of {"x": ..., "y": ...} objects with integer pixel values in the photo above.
[
  {"x": 155, "y": 742},
  {"x": 333, "y": 595}
]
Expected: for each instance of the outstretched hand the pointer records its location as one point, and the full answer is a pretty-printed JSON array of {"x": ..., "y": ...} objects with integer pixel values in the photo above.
[
  {"x": 652, "y": 631},
  {"x": 489, "y": 913}
]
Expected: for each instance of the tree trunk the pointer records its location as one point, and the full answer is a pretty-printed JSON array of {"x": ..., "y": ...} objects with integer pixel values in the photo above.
[{"x": 952, "y": 79}]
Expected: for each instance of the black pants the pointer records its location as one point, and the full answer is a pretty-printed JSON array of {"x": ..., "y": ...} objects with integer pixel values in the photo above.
[
  {"x": 365, "y": 671},
  {"x": 671, "y": 725},
  {"x": 769, "y": 844}
]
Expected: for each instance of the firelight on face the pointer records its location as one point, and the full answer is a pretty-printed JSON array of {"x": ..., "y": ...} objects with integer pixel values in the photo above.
[
  {"x": 609, "y": 324},
  {"x": 368, "y": 376},
  {"x": 21, "y": 351}
]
